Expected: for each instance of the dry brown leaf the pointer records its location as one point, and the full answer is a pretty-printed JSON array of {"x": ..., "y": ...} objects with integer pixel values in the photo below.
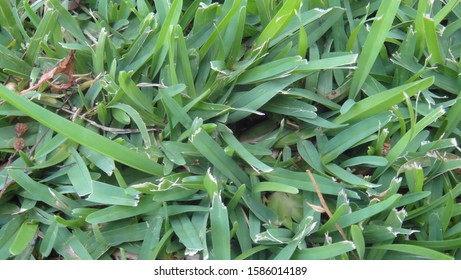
[{"x": 65, "y": 67}]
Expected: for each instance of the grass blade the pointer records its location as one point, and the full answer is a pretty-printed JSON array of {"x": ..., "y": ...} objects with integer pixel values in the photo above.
[
  {"x": 271, "y": 70},
  {"x": 82, "y": 135},
  {"x": 187, "y": 234},
  {"x": 233, "y": 142},
  {"x": 108, "y": 194},
  {"x": 352, "y": 135},
  {"x": 447, "y": 8},
  {"x": 219, "y": 28},
  {"x": 24, "y": 237},
  {"x": 79, "y": 175},
  {"x": 46, "y": 24},
  {"x": 310, "y": 154},
  {"x": 41, "y": 192},
  {"x": 367, "y": 212},
  {"x": 324, "y": 252},
  {"x": 134, "y": 115},
  {"x": 258, "y": 96},
  {"x": 68, "y": 22},
  {"x": 301, "y": 181},
  {"x": 151, "y": 241},
  {"x": 214, "y": 154},
  {"x": 432, "y": 41},
  {"x": 274, "y": 187},
  {"x": 374, "y": 104},
  {"x": 49, "y": 239},
  {"x": 415, "y": 250},
  {"x": 359, "y": 241},
  {"x": 401, "y": 145},
  {"x": 279, "y": 21},
  {"x": 118, "y": 212},
  {"x": 220, "y": 232},
  {"x": 338, "y": 61},
  {"x": 375, "y": 39}
]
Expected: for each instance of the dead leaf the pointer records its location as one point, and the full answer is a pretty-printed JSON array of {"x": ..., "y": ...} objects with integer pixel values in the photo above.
[{"x": 65, "y": 67}]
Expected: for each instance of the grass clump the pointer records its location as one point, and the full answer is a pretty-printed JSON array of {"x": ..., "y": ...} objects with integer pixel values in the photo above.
[{"x": 183, "y": 129}]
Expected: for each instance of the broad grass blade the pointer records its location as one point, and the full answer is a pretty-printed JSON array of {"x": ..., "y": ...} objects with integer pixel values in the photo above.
[
  {"x": 24, "y": 237},
  {"x": 214, "y": 154},
  {"x": 187, "y": 234},
  {"x": 279, "y": 21},
  {"x": 374, "y": 104},
  {"x": 415, "y": 250},
  {"x": 324, "y": 252},
  {"x": 367, "y": 212},
  {"x": 220, "y": 236},
  {"x": 375, "y": 39}
]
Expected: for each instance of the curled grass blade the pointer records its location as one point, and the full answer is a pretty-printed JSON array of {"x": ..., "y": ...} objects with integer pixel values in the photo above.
[{"x": 134, "y": 115}]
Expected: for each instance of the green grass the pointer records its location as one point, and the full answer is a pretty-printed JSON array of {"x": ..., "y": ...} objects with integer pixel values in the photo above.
[{"x": 188, "y": 129}]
